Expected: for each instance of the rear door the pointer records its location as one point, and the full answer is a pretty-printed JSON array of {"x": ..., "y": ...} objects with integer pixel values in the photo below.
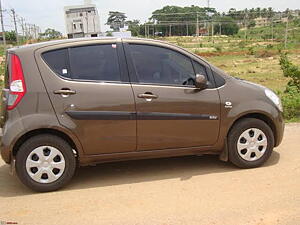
[
  {"x": 171, "y": 112},
  {"x": 89, "y": 89}
]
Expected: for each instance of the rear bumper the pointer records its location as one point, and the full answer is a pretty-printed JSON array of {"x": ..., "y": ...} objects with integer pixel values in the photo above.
[{"x": 5, "y": 153}]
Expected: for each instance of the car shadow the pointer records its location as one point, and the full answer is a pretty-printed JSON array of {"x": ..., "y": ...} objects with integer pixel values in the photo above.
[{"x": 130, "y": 172}]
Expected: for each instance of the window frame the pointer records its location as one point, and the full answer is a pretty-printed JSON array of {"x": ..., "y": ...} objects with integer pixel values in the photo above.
[
  {"x": 124, "y": 77},
  {"x": 134, "y": 76}
]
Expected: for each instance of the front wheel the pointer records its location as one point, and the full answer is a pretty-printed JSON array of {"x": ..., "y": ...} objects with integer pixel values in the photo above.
[
  {"x": 45, "y": 163},
  {"x": 250, "y": 143}
]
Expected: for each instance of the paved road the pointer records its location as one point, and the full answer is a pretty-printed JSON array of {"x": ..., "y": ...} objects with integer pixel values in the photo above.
[{"x": 188, "y": 190}]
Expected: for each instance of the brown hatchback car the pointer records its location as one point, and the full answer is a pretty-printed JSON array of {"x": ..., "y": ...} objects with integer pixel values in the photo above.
[{"x": 79, "y": 102}]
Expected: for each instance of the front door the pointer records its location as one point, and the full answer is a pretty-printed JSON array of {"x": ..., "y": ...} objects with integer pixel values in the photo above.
[
  {"x": 89, "y": 89},
  {"x": 171, "y": 112}
]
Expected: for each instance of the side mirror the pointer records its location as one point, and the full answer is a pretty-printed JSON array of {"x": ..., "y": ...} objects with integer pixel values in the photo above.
[{"x": 201, "y": 81}]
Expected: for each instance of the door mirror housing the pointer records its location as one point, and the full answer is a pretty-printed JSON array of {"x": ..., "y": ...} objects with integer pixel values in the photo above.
[{"x": 200, "y": 81}]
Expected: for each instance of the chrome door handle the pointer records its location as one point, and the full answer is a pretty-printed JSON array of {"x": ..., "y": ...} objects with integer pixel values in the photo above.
[
  {"x": 65, "y": 92},
  {"x": 147, "y": 96}
]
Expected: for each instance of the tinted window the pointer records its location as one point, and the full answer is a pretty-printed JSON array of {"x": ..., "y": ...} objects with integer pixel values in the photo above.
[
  {"x": 199, "y": 69},
  {"x": 58, "y": 61},
  {"x": 98, "y": 62},
  {"x": 161, "y": 65}
]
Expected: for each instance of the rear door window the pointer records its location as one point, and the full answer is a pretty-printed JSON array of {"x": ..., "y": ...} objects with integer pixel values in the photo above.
[{"x": 95, "y": 63}]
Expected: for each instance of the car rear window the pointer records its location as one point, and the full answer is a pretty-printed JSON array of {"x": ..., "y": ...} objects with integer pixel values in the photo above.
[
  {"x": 58, "y": 61},
  {"x": 96, "y": 63}
]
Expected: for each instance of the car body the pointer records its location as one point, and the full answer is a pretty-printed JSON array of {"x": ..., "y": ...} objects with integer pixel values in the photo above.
[{"x": 113, "y": 99}]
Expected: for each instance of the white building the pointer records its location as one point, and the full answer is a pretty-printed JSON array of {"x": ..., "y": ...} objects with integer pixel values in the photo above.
[{"x": 82, "y": 20}]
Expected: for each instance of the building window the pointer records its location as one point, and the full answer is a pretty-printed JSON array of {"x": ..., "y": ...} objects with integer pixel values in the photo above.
[
  {"x": 74, "y": 26},
  {"x": 80, "y": 14},
  {"x": 81, "y": 26}
]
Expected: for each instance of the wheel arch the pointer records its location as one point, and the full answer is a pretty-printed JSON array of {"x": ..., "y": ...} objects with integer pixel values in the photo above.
[
  {"x": 260, "y": 116},
  {"x": 257, "y": 115},
  {"x": 40, "y": 131}
]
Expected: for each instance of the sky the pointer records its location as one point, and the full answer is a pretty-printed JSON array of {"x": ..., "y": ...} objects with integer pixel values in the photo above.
[{"x": 50, "y": 14}]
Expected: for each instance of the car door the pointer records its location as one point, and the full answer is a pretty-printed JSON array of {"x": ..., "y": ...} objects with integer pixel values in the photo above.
[
  {"x": 171, "y": 112},
  {"x": 88, "y": 86}
]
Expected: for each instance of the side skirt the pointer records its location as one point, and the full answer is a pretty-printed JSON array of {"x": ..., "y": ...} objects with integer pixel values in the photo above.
[{"x": 125, "y": 156}]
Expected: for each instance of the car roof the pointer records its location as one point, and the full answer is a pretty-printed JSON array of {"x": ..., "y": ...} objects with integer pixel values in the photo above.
[
  {"x": 33, "y": 47},
  {"x": 75, "y": 40}
]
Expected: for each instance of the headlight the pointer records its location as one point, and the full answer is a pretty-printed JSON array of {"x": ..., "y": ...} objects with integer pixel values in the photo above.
[{"x": 274, "y": 98}]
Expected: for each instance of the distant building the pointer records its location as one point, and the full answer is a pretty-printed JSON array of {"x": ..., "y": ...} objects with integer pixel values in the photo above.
[
  {"x": 295, "y": 13},
  {"x": 262, "y": 22},
  {"x": 82, "y": 21}
]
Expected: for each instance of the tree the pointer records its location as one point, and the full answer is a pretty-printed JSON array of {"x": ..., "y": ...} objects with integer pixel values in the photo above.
[
  {"x": 228, "y": 26},
  {"x": 134, "y": 27},
  {"x": 51, "y": 34},
  {"x": 116, "y": 20},
  {"x": 182, "y": 18},
  {"x": 11, "y": 36},
  {"x": 251, "y": 23}
]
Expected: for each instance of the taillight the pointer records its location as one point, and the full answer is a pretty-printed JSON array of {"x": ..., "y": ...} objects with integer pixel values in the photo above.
[{"x": 17, "y": 87}]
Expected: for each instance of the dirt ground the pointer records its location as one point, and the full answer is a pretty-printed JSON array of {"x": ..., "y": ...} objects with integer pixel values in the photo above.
[{"x": 186, "y": 190}]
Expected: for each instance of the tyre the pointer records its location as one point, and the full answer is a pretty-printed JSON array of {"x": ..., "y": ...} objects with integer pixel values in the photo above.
[
  {"x": 250, "y": 143},
  {"x": 45, "y": 163}
]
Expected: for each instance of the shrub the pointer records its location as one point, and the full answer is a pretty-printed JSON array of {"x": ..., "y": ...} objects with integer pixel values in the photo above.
[
  {"x": 264, "y": 54},
  {"x": 291, "y": 96},
  {"x": 218, "y": 48},
  {"x": 251, "y": 51},
  {"x": 290, "y": 70},
  {"x": 291, "y": 103},
  {"x": 242, "y": 44}
]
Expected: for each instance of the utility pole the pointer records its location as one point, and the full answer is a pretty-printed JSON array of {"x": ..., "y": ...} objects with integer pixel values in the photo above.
[
  {"x": 197, "y": 26},
  {"x": 170, "y": 30},
  {"x": 15, "y": 23},
  {"x": 286, "y": 31},
  {"x": 272, "y": 29},
  {"x": 35, "y": 31},
  {"x": 23, "y": 28},
  {"x": 212, "y": 31},
  {"x": 2, "y": 26},
  {"x": 187, "y": 29},
  {"x": 245, "y": 24}
]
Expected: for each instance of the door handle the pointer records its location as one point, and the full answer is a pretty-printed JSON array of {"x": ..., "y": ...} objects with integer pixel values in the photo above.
[
  {"x": 147, "y": 96},
  {"x": 65, "y": 92}
]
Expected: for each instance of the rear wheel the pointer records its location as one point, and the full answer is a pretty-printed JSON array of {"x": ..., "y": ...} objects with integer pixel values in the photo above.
[
  {"x": 250, "y": 143},
  {"x": 45, "y": 163}
]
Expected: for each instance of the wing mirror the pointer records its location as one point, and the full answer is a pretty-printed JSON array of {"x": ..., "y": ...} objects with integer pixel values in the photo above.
[{"x": 201, "y": 81}]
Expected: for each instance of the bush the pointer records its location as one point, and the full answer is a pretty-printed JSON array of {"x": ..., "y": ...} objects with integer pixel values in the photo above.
[
  {"x": 291, "y": 96},
  {"x": 218, "y": 48},
  {"x": 264, "y": 54},
  {"x": 242, "y": 44},
  {"x": 251, "y": 51},
  {"x": 291, "y": 71},
  {"x": 291, "y": 103}
]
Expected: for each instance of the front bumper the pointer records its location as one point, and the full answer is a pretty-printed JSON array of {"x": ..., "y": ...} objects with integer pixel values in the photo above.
[{"x": 279, "y": 124}]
